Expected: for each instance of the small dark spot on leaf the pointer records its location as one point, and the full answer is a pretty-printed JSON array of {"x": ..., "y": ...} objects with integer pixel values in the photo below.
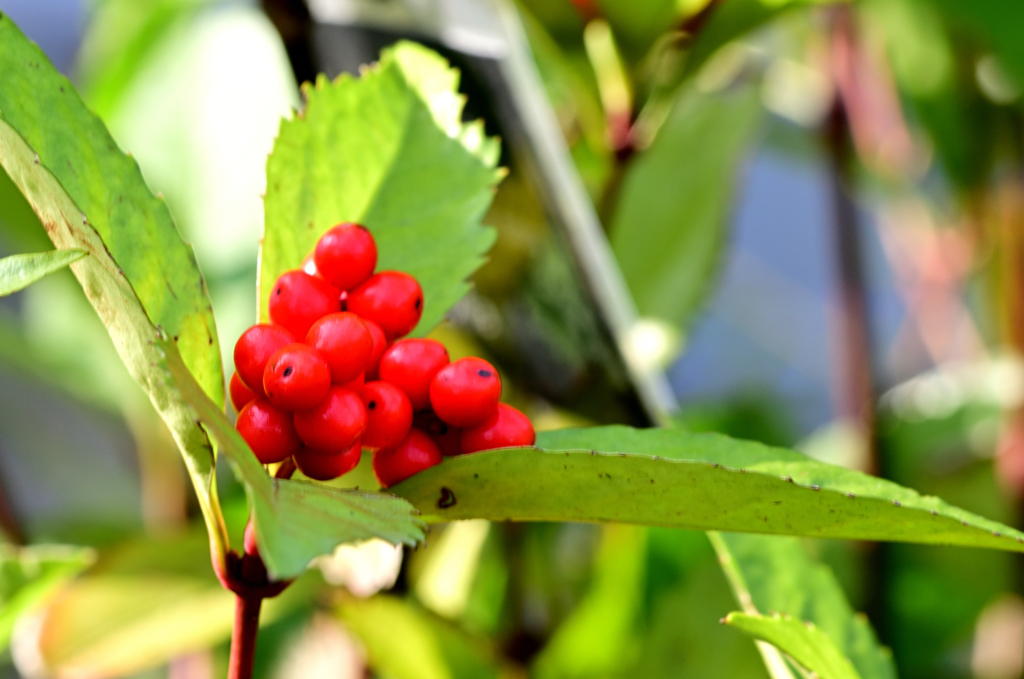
[
  {"x": 815, "y": 487},
  {"x": 776, "y": 502},
  {"x": 476, "y": 476},
  {"x": 714, "y": 465},
  {"x": 934, "y": 513},
  {"x": 997, "y": 534},
  {"x": 849, "y": 495},
  {"x": 175, "y": 338},
  {"x": 964, "y": 522},
  {"x": 897, "y": 503},
  {"x": 288, "y": 371},
  {"x": 447, "y": 498},
  {"x": 652, "y": 480}
]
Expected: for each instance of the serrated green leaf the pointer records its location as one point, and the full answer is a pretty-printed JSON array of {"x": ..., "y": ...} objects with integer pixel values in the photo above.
[
  {"x": 295, "y": 521},
  {"x": 387, "y": 150},
  {"x": 802, "y": 641},
  {"x": 28, "y": 575},
  {"x": 20, "y": 271},
  {"x": 671, "y": 220},
  {"x": 108, "y": 190},
  {"x": 665, "y": 477},
  {"x": 777, "y": 575}
]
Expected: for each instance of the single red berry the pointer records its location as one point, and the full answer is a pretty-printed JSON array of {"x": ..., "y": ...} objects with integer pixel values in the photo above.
[
  {"x": 391, "y": 299},
  {"x": 411, "y": 364},
  {"x": 298, "y": 300},
  {"x": 335, "y": 423},
  {"x": 388, "y": 415},
  {"x": 380, "y": 345},
  {"x": 345, "y": 343},
  {"x": 254, "y": 348},
  {"x": 346, "y": 255},
  {"x": 414, "y": 454},
  {"x": 506, "y": 428},
  {"x": 326, "y": 466},
  {"x": 268, "y": 431},
  {"x": 296, "y": 377},
  {"x": 465, "y": 393},
  {"x": 240, "y": 394},
  {"x": 447, "y": 437}
]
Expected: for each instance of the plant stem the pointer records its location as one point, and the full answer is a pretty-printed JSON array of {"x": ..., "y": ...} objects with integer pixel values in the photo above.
[{"x": 243, "y": 636}]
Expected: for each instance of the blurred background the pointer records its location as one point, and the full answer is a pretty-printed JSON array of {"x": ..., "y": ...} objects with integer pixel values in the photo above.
[{"x": 818, "y": 210}]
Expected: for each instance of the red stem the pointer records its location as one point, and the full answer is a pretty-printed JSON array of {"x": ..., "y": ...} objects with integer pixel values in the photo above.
[{"x": 243, "y": 637}]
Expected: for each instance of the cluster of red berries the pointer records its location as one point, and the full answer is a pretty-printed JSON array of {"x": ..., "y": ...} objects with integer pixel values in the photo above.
[{"x": 329, "y": 375}]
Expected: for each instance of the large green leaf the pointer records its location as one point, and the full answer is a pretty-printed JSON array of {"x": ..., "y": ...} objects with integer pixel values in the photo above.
[
  {"x": 802, "y": 641},
  {"x": 777, "y": 575},
  {"x": 143, "y": 603},
  {"x": 665, "y": 477},
  {"x": 20, "y": 271},
  {"x": 28, "y": 575},
  {"x": 670, "y": 224},
  {"x": 387, "y": 150},
  {"x": 295, "y": 521},
  {"x": 998, "y": 23},
  {"x": 109, "y": 192}
]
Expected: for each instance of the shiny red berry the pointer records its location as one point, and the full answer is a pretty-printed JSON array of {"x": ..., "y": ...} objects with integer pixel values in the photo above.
[
  {"x": 345, "y": 343},
  {"x": 254, "y": 348},
  {"x": 416, "y": 453},
  {"x": 355, "y": 384},
  {"x": 506, "y": 428},
  {"x": 388, "y": 414},
  {"x": 465, "y": 393},
  {"x": 447, "y": 437},
  {"x": 411, "y": 364},
  {"x": 296, "y": 377},
  {"x": 335, "y": 423},
  {"x": 346, "y": 255},
  {"x": 268, "y": 431},
  {"x": 298, "y": 300},
  {"x": 309, "y": 266},
  {"x": 391, "y": 299},
  {"x": 326, "y": 466},
  {"x": 241, "y": 395},
  {"x": 380, "y": 345}
]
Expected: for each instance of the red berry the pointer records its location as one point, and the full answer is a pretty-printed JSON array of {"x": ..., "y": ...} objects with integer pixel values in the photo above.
[
  {"x": 240, "y": 394},
  {"x": 296, "y": 377},
  {"x": 416, "y": 453},
  {"x": 298, "y": 300},
  {"x": 391, "y": 299},
  {"x": 326, "y": 466},
  {"x": 411, "y": 364},
  {"x": 254, "y": 348},
  {"x": 345, "y": 343},
  {"x": 465, "y": 393},
  {"x": 268, "y": 431},
  {"x": 335, "y": 423},
  {"x": 388, "y": 415},
  {"x": 447, "y": 437},
  {"x": 506, "y": 428},
  {"x": 380, "y": 345},
  {"x": 346, "y": 255}
]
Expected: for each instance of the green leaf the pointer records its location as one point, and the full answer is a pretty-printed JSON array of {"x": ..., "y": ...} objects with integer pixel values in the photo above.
[
  {"x": 670, "y": 225},
  {"x": 998, "y": 23},
  {"x": 108, "y": 191},
  {"x": 777, "y": 575},
  {"x": 28, "y": 575},
  {"x": 145, "y": 602},
  {"x": 403, "y": 641},
  {"x": 387, "y": 150},
  {"x": 800, "y": 640},
  {"x": 20, "y": 271},
  {"x": 666, "y": 477},
  {"x": 295, "y": 521}
]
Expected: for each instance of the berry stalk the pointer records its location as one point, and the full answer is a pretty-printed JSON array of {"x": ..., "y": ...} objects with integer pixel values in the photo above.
[{"x": 243, "y": 636}]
